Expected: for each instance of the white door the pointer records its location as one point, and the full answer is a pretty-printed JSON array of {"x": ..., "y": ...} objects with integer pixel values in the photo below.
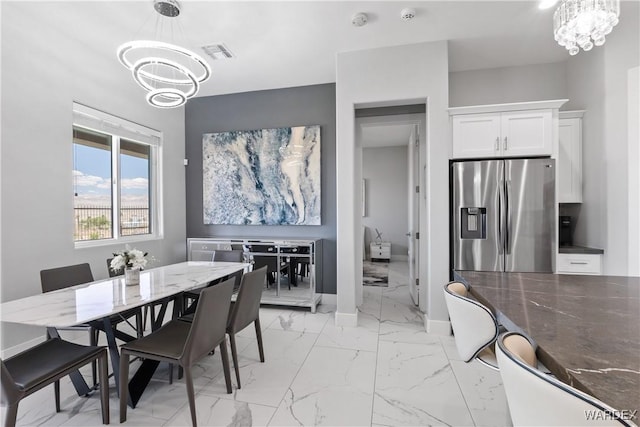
[{"x": 413, "y": 180}]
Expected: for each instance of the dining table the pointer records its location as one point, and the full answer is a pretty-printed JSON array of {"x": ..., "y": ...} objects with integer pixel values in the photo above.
[
  {"x": 586, "y": 328},
  {"x": 95, "y": 303}
]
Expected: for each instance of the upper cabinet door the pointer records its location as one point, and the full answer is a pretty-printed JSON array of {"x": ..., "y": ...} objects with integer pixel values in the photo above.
[
  {"x": 569, "y": 168},
  {"x": 476, "y": 135},
  {"x": 526, "y": 133}
]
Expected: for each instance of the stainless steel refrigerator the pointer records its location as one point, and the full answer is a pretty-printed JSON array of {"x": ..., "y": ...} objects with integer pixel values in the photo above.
[{"x": 504, "y": 215}]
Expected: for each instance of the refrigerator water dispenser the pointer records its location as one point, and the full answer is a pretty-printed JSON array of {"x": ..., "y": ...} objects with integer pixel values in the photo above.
[{"x": 473, "y": 223}]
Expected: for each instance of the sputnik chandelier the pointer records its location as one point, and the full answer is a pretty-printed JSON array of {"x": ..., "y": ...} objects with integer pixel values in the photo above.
[
  {"x": 169, "y": 73},
  {"x": 584, "y": 23}
]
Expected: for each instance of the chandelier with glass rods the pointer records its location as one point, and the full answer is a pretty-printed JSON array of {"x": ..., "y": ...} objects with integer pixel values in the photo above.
[
  {"x": 169, "y": 73},
  {"x": 584, "y": 23}
]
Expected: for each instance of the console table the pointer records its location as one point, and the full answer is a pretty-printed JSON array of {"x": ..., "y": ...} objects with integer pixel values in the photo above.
[{"x": 307, "y": 251}]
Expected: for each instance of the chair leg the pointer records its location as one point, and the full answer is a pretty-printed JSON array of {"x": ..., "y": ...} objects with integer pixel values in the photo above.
[
  {"x": 93, "y": 341},
  {"x": 188, "y": 380},
  {"x": 56, "y": 392},
  {"x": 104, "y": 387},
  {"x": 139, "y": 327},
  {"x": 234, "y": 355},
  {"x": 124, "y": 385},
  {"x": 259, "y": 337},
  {"x": 11, "y": 415},
  {"x": 225, "y": 366}
]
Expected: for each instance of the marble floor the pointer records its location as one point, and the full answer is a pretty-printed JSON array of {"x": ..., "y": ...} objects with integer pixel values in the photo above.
[{"x": 386, "y": 372}]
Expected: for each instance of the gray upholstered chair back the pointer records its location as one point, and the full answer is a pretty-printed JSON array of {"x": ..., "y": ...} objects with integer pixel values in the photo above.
[
  {"x": 228, "y": 256},
  {"x": 247, "y": 305},
  {"x": 11, "y": 394},
  {"x": 209, "y": 322},
  {"x": 64, "y": 277}
]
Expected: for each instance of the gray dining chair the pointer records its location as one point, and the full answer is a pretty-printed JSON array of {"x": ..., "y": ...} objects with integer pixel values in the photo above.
[
  {"x": 189, "y": 298},
  {"x": 57, "y": 278},
  {"x": 45, "y": 364},
  {"x": 184, "y": 343},
  {"x": 245, "y": 311}
]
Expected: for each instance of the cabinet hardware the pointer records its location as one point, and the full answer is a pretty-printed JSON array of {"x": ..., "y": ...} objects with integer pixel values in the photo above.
[
  {"x": 578, "y": 263},
  {"x": 497, "y": 143},
  {"x": 505, "y": 144}
]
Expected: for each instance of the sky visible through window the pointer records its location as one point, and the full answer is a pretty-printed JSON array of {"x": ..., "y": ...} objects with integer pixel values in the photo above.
[{"x": 92, "y": 177}]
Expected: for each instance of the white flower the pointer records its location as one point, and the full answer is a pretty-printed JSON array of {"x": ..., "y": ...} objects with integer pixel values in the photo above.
[{"x": 133, "y": 258}]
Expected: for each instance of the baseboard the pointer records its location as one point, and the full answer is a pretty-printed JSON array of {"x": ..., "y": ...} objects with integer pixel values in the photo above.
[
  {"x": 329, "y": 299},
  {"x": 437, "y": 327},
  {"x": 347, "y": 319}
]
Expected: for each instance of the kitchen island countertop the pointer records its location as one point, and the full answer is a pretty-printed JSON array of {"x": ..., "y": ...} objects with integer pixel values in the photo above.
[{"x": 587, "y": 327}]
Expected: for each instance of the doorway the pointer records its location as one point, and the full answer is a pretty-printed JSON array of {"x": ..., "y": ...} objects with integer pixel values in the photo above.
[{"x": 388, "y": 143}]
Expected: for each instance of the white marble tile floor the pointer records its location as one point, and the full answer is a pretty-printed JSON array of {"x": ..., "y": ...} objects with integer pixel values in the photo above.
[{"x": 386, "y": 372}]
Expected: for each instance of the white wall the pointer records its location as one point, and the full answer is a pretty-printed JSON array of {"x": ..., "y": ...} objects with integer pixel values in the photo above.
[
  {"x": 394, "y": 76},
  {"x": 43, "y": 71},
  {"x": 508, "y": 84},
  {"x": 598, "y": 83},
  {"x": 385, "y": 172},
  {"x": 633, "y": 160}
]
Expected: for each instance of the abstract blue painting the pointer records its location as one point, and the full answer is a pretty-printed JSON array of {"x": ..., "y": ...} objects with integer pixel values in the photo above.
[{"x": 267, "y": 176}]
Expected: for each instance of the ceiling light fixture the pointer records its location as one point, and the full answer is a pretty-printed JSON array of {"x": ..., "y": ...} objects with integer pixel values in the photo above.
[
  {"x": 547, "y": 4},
  {"x": 171, "y": 74},
  {"x": 584, "y": 23}
]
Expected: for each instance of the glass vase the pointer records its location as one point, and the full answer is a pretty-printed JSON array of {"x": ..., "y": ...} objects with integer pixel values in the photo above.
[{"x": 131, "y": 276}]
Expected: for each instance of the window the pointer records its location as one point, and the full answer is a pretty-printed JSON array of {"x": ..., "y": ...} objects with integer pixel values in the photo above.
[{"x": 115, "y": 179}]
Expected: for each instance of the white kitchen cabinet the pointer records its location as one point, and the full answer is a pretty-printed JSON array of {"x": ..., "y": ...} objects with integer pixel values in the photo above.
[
  {"x": 579, "y": 264},
  {"x": 504, "y": 130},
  {"x": 569, "y": 165}
]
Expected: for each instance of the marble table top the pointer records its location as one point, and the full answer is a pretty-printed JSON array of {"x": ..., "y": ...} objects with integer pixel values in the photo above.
[
  {"x": 96, "y": 300},
  {"x": 587, "y": 327}
]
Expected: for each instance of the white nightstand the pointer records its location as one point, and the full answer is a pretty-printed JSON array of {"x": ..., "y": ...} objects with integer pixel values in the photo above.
[{"x": 380, "y": 250}]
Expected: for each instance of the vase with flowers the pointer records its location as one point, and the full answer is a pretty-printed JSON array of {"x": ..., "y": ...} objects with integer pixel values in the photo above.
[{"x": 132, "y": 261}]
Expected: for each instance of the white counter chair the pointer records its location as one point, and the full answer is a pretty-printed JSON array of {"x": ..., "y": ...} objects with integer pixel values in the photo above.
[
  {"x": 536, "y": 398},
  {"x": 475, "y": 328}
]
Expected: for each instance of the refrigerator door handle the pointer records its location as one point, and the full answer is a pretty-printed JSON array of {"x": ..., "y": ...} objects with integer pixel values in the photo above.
[
  {"x": 499, "y": 228},
  {"x": 507, "y": 239}
]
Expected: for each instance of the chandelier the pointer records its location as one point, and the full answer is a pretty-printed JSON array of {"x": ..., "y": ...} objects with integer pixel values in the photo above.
[
  {"x": 584, "y": 23},
  {"x": 169, "y": 73}
]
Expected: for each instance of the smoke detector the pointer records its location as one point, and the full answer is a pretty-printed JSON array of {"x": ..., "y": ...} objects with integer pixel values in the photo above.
[
  {"x": 359, "y": 19},
  {"x": 407, "y": 14}
]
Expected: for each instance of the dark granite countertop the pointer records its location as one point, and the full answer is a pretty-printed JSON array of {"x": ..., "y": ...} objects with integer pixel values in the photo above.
[
  {"x": 587, "y": 327},
  {"x": 579, "y": 250}
]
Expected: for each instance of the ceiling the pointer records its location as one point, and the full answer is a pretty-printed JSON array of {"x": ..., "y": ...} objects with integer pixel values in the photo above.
[
  {"x": 294, "y": 43},
  {"x": 386, "y": 135}
]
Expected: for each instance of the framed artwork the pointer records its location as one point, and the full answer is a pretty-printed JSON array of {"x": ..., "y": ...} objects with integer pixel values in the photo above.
[{"x": 262, "y": 177}]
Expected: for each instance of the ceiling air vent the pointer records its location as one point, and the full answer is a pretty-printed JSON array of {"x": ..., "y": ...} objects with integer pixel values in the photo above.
[{"x": 218, "y": 51}]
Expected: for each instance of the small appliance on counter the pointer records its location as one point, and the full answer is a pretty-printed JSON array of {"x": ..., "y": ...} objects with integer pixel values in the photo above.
[{"x": 565, "y": 230}]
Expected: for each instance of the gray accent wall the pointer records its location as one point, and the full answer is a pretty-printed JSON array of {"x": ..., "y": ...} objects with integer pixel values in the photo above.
[{"x": 297, "y": 106}]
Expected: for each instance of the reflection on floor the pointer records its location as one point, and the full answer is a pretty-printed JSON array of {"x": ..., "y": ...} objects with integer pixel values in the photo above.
[{"x": 387, "y": 371}]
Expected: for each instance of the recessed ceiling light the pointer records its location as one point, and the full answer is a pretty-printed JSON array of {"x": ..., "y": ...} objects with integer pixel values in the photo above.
[{"x": 546, "y": 4}]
